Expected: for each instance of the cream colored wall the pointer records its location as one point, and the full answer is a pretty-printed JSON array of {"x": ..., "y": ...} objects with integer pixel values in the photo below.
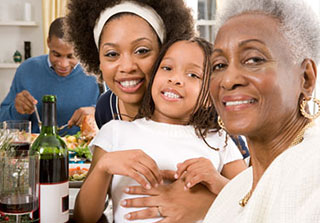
[
  {"x": 12, "y": 37},
  {"x": 194, "y": 6},
  {"x": 315, "y": 4}
]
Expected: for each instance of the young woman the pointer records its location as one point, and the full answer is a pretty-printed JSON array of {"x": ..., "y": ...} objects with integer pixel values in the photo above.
[
  {"x": 120, "y": 40},
  {"x": 177, "y": 108}
]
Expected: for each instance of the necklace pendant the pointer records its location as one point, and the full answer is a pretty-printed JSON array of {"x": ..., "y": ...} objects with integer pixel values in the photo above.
[{"x": 242, "y": 203}]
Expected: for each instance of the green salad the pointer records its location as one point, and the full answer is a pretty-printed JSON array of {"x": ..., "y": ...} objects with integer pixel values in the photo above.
[{"x": 78, "y": 144}]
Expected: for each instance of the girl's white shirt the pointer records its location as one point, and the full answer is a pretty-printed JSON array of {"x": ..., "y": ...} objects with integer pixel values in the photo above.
[{"x": 167, "y": 144}]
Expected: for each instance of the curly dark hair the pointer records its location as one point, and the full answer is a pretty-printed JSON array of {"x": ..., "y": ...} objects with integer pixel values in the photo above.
[
  {"x": 204, "y": 115},
  {"x": 83, "y": 14}
]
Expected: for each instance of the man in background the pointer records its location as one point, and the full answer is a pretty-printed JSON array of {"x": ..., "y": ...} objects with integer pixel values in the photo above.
[{"x": 58, "y": 73}]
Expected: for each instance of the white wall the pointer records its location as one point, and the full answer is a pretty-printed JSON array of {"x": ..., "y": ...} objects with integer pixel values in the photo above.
[
  {"x": 315, "y": 4},
  {"x": 194, "y": 6},
  {"x": 12, "y": 37}
]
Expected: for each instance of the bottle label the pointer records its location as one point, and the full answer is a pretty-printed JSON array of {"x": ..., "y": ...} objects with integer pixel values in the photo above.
[{"x": 54, "y": 202}]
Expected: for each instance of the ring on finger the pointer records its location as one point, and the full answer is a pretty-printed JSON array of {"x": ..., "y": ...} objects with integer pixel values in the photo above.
[{"x": 158, "y": 212}]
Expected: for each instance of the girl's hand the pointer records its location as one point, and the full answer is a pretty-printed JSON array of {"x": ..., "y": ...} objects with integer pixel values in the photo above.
[
  {"x": 132, "y": 163},
  {"x": 200, "y": 170}
]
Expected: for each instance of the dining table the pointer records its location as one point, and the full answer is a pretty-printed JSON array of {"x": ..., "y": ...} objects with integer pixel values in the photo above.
[
  {"x": 104, "y": 218},
  {"x": 74, "y": 188}
]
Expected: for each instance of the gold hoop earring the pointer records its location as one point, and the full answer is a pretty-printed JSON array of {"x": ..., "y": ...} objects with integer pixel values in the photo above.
[
  {"x": 303, "y": 109},
  {"x": 220, "y": 123}
]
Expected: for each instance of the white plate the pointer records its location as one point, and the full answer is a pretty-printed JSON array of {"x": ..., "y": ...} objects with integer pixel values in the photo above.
[{"x": 81, "y": 165}]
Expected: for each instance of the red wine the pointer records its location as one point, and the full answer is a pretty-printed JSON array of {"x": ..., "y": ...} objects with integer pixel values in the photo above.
[
  {"x": 54, "y": 187},
  {"x": 18, "y": 204},
  {"x": 22, "y": 146},
  {"x": 53, "y": 170}
]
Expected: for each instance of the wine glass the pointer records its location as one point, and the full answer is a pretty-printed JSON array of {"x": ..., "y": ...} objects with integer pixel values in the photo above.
[
  {"x": 19, "y": 184},
  {"x": 20, "y": 131}
]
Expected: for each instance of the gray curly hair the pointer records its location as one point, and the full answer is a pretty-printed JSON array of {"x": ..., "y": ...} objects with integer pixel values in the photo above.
[{"x": 299, "y": 24}]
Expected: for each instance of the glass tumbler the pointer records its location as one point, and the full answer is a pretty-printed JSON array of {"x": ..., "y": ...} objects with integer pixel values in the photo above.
[
  {"x": 20, "y": 132},
  {"x": 19, "y": 184}
]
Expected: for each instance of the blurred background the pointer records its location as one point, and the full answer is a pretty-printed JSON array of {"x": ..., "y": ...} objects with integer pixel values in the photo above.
[{"x": 28, "y": 20}]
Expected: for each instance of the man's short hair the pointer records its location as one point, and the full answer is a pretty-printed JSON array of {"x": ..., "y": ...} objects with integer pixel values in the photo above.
[{"x": 56, "y": 28}]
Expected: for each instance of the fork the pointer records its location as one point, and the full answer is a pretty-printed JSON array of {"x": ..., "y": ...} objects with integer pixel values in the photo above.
[
  {"x": 40, "y": 123},
  {"x": 62, "y": 127},
  {"x": 37, "y": 115}
]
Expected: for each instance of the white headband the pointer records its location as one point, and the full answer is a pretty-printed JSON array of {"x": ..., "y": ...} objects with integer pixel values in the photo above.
[{"x": 145, "y": 12}]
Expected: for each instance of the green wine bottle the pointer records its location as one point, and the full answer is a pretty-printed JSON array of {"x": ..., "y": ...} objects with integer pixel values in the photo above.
[{"x": 54, "y": 169}]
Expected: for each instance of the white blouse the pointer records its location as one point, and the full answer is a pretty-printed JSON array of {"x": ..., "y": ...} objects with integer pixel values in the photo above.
[{"x": 288, "y": 191}]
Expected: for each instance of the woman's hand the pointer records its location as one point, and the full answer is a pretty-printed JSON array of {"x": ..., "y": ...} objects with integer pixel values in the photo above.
[
  {"x": 201, "y": 170},
  {"x": 132, "y": 163},
  {"x": 174, "y": 204}
]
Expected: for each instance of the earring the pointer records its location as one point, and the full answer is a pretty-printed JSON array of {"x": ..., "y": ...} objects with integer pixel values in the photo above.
[
  {"x": 220, "y": 123},
  {"x": 303, "y": 109}
]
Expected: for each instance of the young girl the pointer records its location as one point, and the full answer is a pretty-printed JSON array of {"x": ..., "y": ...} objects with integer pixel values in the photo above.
[{"x": 175, "y": 123}]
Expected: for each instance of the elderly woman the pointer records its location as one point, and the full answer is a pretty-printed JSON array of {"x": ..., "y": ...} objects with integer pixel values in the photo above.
[{"x": 264, "y": 72}]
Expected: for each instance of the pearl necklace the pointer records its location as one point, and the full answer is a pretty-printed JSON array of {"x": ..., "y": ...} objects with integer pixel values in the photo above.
[{"x": 298, "y": 139}]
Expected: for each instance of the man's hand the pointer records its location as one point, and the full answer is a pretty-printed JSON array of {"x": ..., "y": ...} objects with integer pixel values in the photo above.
[
  {"x": 24, "y": 102},
  {"x": 79, "y": 114}
]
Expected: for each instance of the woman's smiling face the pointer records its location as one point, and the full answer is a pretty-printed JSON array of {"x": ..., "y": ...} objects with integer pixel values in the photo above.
[
  {"x": 254, "y": 83},
  {"x": 128, "y": 50}
]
